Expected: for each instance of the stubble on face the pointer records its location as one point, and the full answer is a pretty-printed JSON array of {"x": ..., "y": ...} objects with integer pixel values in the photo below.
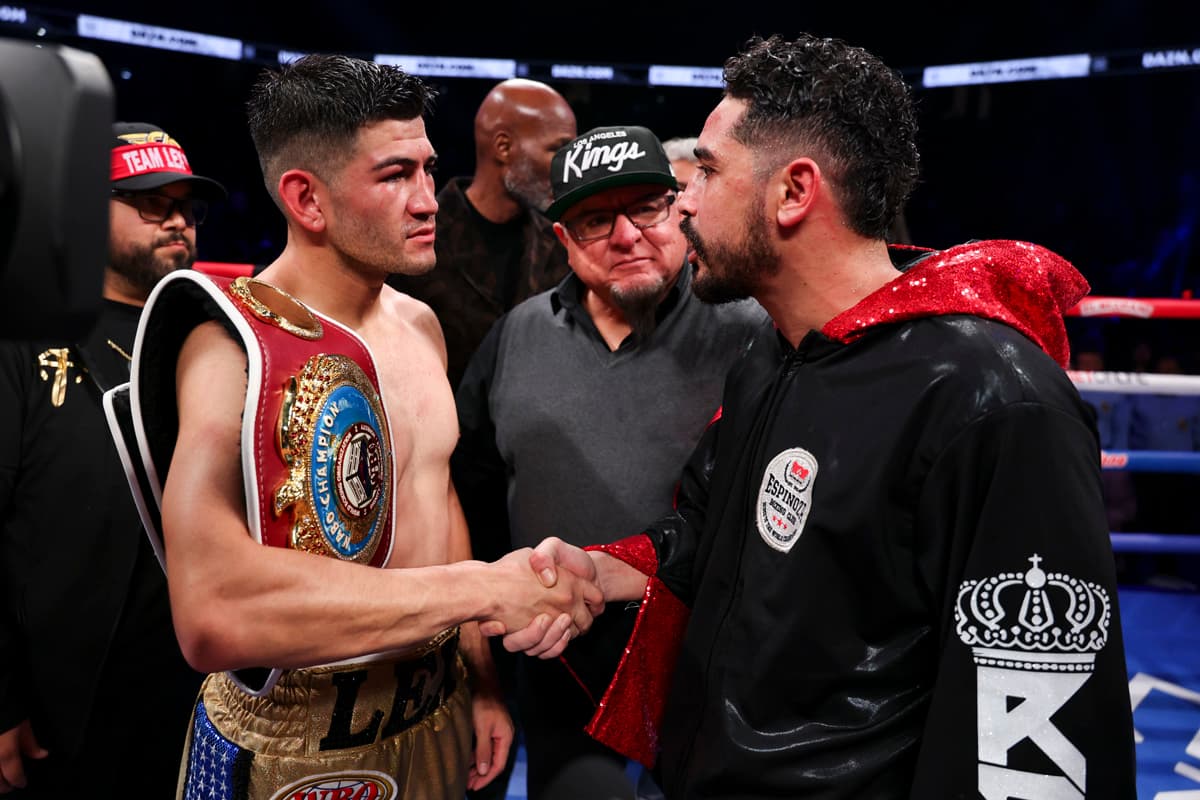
[
  {"x": 536, "y": 137},
  {"x": 528, "y": 188},
  {"x": 732, "y": 271},
  {"x": 365, "y": 243},
  {"x": 144, "y": 265}
]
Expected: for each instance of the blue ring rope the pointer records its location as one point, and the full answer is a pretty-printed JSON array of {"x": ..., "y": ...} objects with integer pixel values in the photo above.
[{"x": 1177, "y": 461}]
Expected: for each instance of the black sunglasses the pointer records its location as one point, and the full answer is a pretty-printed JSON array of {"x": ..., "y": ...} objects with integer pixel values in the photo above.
[{"x": 158, "y": 208}]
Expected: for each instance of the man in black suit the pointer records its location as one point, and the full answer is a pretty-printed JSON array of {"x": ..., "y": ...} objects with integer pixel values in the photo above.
[{"x": 94, "y": 694}]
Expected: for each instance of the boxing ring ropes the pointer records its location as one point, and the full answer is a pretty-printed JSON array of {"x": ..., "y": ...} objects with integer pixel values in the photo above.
[
  {"x": 1161, "y": 628},
  {"x": 1143, "y": 383}
]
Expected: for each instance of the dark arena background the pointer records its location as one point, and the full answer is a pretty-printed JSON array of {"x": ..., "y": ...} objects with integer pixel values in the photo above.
[{"x": 1072, "y": 124}]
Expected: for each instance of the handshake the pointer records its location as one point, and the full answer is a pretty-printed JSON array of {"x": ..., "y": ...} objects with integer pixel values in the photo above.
[{"x": 539, "y": 614}]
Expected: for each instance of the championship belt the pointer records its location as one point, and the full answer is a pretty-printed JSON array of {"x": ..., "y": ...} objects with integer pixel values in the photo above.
[
  {"x": 316, "y": 430},
  {"x": 316, "y": 449}
]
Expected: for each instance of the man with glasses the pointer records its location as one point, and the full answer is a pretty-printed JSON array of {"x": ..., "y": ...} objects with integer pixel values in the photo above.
[
  {"x": 158, "y": 203},
  {"x": 582, "y": 405},
  {"x": 84, "y": 617},
  {"x": 159, "y": 207}
]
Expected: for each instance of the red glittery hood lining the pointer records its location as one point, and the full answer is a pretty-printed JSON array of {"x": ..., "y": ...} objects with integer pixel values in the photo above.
[{"x": 1017, "y": 283}]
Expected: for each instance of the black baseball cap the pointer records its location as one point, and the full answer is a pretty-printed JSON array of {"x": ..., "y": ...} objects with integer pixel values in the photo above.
[
  {"x": 602, "y": 158},
  {"x": 145, "y": 157}
]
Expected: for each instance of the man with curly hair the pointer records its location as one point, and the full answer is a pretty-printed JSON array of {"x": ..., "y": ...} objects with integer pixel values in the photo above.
[{"x": 889, "y": 557}]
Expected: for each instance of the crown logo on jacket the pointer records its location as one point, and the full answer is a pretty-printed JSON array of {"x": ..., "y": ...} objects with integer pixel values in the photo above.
[{"x": 1036, "y": 620}]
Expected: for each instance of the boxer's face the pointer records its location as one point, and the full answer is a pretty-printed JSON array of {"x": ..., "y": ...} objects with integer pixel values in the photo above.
[{"x": 381, "y": 205}]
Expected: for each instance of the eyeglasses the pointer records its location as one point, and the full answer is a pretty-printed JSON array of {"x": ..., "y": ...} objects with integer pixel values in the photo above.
[
  {"x": 592, "y": 225},
  {"x": 159, "y": 208}
]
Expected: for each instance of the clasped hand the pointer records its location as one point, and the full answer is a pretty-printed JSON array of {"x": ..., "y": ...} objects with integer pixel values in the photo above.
[{"x": 566, "y": 599}]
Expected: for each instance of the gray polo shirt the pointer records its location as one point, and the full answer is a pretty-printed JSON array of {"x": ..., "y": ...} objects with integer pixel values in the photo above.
[{"x": 562, "y": 436}]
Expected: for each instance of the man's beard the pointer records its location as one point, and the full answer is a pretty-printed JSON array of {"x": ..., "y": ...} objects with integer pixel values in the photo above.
[
  {"x": 144, "y": 266},
  {"x": 526, "y": 188},
  {"x": 639, "y": 306},
  {"x": 732, "y": 272}
]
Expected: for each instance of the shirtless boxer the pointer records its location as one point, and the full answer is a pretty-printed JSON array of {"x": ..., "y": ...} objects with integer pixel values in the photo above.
[{"x": 314, "y": 414}]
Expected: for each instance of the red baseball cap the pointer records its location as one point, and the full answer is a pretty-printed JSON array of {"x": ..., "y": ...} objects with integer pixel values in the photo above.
[{"x": 145, "y": 157}]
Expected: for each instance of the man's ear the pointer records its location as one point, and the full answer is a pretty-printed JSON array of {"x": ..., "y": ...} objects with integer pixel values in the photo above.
[
  {"x": 795, "y": 190},
  {"x": 502, "y": 146},
  {"x": 300, "y": 193},
  {"x": 561, "y": 233}
]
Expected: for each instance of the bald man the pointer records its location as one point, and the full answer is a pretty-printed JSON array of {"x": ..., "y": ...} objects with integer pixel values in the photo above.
[{"x": 494, "y": 248}]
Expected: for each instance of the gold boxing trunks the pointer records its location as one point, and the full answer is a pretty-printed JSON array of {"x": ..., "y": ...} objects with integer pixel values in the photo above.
[{"x": 377, "y": 730}]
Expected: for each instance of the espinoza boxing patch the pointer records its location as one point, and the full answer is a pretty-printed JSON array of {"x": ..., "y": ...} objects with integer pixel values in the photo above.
[{"x": 785, "y": 498}]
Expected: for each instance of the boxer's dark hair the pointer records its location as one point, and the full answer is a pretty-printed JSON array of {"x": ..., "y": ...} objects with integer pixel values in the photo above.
[
  {"x": 307, "y": 114},
  {"x": 837, "y": 104}
]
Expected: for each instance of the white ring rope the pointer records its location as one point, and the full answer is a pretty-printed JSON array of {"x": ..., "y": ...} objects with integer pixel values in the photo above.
[{"x": 1134, "y": 382}]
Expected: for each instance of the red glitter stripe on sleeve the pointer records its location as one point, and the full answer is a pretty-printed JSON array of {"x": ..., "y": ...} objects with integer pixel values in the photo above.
[
  {"x": 629, "y": 715},
  {"x": 636, "y": 551}
]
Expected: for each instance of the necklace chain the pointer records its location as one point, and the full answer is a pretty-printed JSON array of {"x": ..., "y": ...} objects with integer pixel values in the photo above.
[{"x": 117, "y": 347}]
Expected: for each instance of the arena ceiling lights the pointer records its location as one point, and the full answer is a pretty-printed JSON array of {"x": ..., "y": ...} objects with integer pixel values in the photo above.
[{"x": 31, "y": 22}]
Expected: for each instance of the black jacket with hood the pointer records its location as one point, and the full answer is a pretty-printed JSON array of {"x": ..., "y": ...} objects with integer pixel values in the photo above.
[{"x": 894, "y": 548}]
